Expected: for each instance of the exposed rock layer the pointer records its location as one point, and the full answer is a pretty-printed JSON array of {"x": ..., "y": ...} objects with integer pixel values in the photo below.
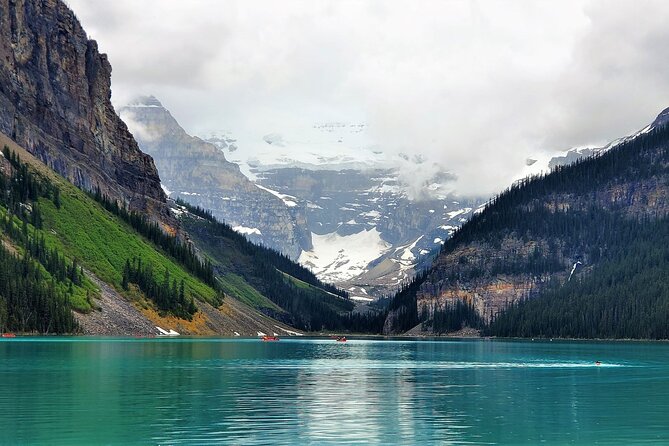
[{"x": 55, "y": 90}]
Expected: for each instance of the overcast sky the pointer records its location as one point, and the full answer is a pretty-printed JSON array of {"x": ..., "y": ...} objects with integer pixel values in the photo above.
[{"x": 475, "y": 85}]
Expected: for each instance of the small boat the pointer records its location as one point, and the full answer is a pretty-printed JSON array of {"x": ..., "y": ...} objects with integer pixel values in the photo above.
[
  {"x": 598, "y": 362},
  {"x": 341, "y": 339},
  {"x": 270, "y": 338},
  {"x": 8, "y": 335}
]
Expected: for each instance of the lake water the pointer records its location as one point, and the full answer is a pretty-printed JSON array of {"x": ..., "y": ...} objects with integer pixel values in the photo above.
[{"x": 305, "y": 391}]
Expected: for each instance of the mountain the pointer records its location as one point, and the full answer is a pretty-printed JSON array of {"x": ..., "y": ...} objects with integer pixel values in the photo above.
[
  {"x": 198, "y": 172},
  {"x": 89, "y": 242},
  {"x": 343, "y": 211},
  {"x": 537, "y": 165},
  {"x": 55, "y": 102},
  {"x": 578, "y": 252},
  {"x": 373, "y": 216},
  {"x": 367, "y": 232}
]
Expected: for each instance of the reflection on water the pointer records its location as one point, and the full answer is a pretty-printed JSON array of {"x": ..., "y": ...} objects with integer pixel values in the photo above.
[{"x": 199, "y": 391}]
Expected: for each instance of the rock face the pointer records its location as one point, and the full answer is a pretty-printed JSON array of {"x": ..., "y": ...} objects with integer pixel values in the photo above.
[
  {"x": 55, "y": 101},
  {"x": 198, "y": 172}
]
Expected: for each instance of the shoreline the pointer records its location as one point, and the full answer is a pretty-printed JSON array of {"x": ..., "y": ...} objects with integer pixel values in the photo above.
[{"x": 328, "y": 336}]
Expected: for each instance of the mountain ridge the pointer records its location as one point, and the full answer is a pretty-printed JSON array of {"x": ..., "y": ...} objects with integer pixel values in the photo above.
[
  {"x": 87, "y": 231},
  {"x": 351, "y": 222},
  {"x": 541, "y": 233}
]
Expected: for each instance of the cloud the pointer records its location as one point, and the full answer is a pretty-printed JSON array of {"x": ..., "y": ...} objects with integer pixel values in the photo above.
[
  {"x": 473, "y": 86},
  {"x": 138, "y": 130}
]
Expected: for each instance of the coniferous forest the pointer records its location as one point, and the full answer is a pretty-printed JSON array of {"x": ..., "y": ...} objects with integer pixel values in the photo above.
[
  {"x": 171, "y": 244},
  {"x": 35, "y": 288},
  {"x": 619, "y": 237},
  {"x": 42, "y": 283},
  {"x": 625, "y": 296},
  {"x": 167, "y": 295}
]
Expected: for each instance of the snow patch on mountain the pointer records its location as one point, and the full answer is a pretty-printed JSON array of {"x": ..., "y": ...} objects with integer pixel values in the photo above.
[
  {"x": 543, "y": 163},
  {"x": 407, "y": 254},
  {"x": 338, "y": 258},
  {"x": 246, "y": 231},
  {"x": 288, "y": 200}
]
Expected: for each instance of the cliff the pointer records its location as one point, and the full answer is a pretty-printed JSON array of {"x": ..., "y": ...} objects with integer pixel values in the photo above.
[{"x": 55, "y": 90}]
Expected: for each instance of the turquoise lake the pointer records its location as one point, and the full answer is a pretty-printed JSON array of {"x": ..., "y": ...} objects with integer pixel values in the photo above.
[{"x": 317, "y": 391}]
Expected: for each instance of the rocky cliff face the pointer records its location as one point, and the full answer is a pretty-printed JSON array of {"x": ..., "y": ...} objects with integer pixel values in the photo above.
[
  {"x": 198, "y": 172},
  {"x": 368, "y": 235},
  {"x": 55, "y": 101}
]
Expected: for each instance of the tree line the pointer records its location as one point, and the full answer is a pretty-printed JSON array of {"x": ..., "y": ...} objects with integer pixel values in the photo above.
[
  {"x": 623, "y": 295},
  {"x": 30, "y": 301},
  {"x": 167, "y": 295},
  {"x": 171, "y": 244}
]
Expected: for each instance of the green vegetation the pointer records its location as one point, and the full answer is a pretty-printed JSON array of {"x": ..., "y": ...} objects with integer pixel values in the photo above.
[
  {"x": 236, "y": 286},
  {"x": 261, "y": 253},
  {"x": 38, "y": 286},
  {"x": 103, "y": 243},
  {"x": 453, "y": 317},
  {"x": 170, "y": 244},
  {"x": 167, "y": 296},
  {"x": 30, "y": 300},
  {"x": 63, "y": 230}
]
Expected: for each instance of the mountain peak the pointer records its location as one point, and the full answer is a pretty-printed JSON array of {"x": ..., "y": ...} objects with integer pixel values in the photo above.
[
  {"x": 145, "y": 101},
  {"x": 662, "y": 118}
]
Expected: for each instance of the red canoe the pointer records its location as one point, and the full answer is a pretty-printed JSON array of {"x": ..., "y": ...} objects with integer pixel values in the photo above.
[
  {"x": 8, "y": 335},
  {"x": 270, "y": 338}
]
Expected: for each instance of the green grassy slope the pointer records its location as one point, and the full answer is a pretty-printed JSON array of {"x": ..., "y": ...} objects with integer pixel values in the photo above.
[{"x": 80, "y": 228}]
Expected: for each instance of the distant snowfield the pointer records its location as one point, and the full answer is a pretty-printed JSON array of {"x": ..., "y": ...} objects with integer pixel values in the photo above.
[{"x": 338, "y": 258}]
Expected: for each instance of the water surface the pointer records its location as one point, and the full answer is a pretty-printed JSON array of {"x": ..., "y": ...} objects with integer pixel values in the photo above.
[{"x": 306, "y": 391}]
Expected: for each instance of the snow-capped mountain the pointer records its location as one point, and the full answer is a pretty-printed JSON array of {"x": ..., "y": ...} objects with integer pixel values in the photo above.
[{"x": 371, "y": 215}]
